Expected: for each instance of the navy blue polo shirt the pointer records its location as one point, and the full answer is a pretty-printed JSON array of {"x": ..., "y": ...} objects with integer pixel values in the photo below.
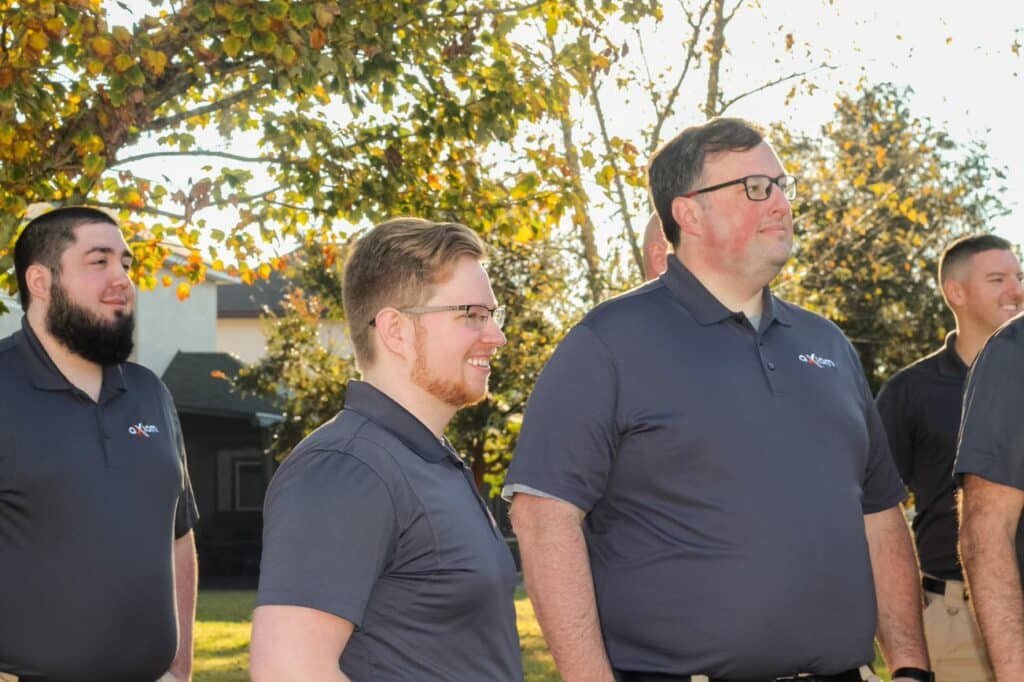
[
  {"x": 725, "y": 472},
  {"x": 992, "y": 431},
  {"x": 92, "y": 496},
  {"x": 373, "y": 519},
  {"x": 920, "y": 407}
]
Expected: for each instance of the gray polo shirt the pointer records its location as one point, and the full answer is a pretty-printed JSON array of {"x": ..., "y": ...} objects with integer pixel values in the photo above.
[
  {"x": 725, "y": 473},
  {"x": 92, "y": 495},
  {"x": 373, "y": 519},
  {"x": 992, "y": 431}
]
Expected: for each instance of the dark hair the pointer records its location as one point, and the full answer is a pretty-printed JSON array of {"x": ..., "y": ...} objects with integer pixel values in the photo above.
[
  {"x": 961, "y": 250},
  {"x": 46, "y": 237},
  {"x": 397, "y": 263},
  {"x": 679, "y": 164}
]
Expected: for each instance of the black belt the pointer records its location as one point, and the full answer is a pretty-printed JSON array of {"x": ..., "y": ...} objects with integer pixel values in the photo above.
[
  {"x": 630, "y": 676},
  {"x": 936, "y": 586}
]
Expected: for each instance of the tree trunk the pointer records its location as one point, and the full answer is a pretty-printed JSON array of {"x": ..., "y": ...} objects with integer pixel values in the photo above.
[{"x": 717, "y": 47}]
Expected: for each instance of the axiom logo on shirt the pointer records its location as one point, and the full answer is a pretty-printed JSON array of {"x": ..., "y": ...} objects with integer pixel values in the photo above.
[
  {"x": 817, "y": 361},
  {"x": 142, "y": 430}
]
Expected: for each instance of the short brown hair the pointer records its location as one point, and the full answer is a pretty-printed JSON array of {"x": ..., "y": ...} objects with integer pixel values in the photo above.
[
  {"x": 961, "y": 250},
  {"x": 679, "y": 164},
  {"x": 397, "y": 264}
]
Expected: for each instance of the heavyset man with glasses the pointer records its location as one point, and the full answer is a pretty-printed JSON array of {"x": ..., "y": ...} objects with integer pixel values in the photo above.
[
  {"x": 702, "y": 485},
  {"x": 377, "y": 549}
]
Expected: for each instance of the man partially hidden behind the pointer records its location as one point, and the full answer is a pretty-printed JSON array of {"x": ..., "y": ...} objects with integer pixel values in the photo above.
[
  {"x": 920, "y": 407},
  {"x": 702, "y": 485},
  {"x": 97, "y": 557},
  {"x": 377, "y": 548}
]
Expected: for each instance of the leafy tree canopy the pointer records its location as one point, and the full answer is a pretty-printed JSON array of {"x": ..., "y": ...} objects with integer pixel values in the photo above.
[
  {"x": 881, "y": 193},
  {"x": 312, "y": 114}
]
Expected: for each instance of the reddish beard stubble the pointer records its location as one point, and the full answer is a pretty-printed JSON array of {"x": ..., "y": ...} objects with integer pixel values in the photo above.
[{"x": 452, "y": 392}]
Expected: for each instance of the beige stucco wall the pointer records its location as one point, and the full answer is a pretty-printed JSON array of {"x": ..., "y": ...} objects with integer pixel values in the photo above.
[
  {"x": 165, "y": 325},
  {"x": 244, "y": 338}
]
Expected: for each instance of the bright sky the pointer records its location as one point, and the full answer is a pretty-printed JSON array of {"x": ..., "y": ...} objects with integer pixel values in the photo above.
[{"x": 956, "y": 55}]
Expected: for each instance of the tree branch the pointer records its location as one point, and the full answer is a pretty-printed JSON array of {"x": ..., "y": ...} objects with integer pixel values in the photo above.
[
  {"x": 728, "y": 103},
  {"x": 198, "y": 152},
  {"x": 241, "y": 95},
  {"x": 620, "y": 190},
  {"x": 691, "y": 55},
  {"x": 484, "y": 12}
]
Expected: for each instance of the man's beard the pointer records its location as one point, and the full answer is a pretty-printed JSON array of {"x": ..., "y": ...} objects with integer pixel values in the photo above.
[
  {"x": 85, "y": 334},
  {"x": 454, "y": 393}
]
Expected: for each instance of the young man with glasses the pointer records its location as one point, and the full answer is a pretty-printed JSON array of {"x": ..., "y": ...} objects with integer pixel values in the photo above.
[
  {"x": 377, "y": 548},
  {"x": 702, "y": 485}
]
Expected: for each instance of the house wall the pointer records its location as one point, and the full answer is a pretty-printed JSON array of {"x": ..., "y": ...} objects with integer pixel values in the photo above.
[
  {"x": 244, "y": 338},
  {"x": 164, "y": 325},
  {"x": 10, "y": 321}
]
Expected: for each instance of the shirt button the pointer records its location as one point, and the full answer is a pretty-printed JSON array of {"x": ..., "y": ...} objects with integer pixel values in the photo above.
[{"x": 771, "y": 365}]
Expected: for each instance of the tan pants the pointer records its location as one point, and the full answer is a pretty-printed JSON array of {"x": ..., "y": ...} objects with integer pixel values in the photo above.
[
  {"x": 865, "y": 674},
  {"x": 954, "y": 641}
]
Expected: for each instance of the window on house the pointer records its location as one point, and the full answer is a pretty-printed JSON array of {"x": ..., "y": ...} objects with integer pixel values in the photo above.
[{"x": 241, "y": 480}]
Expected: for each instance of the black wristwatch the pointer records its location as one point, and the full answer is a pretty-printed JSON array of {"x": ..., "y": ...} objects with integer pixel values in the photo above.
[{"x": 914, "y": 674}]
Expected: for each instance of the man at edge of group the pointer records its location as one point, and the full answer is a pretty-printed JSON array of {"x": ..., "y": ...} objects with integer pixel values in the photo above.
[
  {"x": 990, "y": 470},
  {"x": 702, "y": 485},
  {"x": 378, "y": 552},
  {"x": 920, "y": 407},
  {"x": 97, "y": 557}
]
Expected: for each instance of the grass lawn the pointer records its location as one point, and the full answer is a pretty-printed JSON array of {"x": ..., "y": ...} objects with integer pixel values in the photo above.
[{"x": 222, "y": 638}]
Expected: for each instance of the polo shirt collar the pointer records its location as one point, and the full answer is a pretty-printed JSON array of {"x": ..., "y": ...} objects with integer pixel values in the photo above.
[
  {"x": 707, "y": 309},
  {"x": 368, "y": 401},
  {"x": 949, "y": 361},
  {"x": 48, "y": 377}
]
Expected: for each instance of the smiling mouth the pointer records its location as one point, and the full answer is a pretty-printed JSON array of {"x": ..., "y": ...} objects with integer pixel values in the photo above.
[{"x": 482, "y": 363}]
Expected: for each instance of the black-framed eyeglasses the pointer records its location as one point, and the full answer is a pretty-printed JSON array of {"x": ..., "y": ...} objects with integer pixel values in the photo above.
[
  {"x": 758, "y": 187},
  {"x": 475, "y": 316}
]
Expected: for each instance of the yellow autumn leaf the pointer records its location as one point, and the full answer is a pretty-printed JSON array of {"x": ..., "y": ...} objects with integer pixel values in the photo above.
[
  {"x": 123, "y": 62},
  {"x": 94, "y": 67},
  {"x": 265, "y": 271},
  {"x": 155, "y": 61},
  {"x": 167, "y": 280},
  {"x": 36, "y": 40},
  {"x": 232, "y": 46},
  {"x": 183, "y": 291}
]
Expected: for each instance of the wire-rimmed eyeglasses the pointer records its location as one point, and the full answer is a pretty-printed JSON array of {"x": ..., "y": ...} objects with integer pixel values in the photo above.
[
  {"x": 475, "y": 316},
  {"x": 758, "y": 187}
]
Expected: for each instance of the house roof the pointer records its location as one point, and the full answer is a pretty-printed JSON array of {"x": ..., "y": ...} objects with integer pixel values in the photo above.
[
  {"x": 248, "y": 301},
  {"x": 192, "y": 380}
]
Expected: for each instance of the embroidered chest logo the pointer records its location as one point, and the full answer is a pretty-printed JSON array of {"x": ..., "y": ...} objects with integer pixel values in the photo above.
[
  {"x": 141, "y": 430},
  {"x": 817, "y": 361}
]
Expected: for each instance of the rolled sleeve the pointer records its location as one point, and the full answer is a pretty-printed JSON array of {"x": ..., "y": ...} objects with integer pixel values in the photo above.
[
  {"x": 569, "y": 433},
  {"x": 991, "y": 441},
  {"x": 329, "y": 532}
]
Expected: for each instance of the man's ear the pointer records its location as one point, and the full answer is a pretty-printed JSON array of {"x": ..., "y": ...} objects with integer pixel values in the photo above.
[
  {"x": 38, "y": 280},
  {"x": 656, "y": 258},
  {"x": 392, "y": 331},
  {"x": 687, "y": 214},
  {"x": 954, "y": 292}
]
